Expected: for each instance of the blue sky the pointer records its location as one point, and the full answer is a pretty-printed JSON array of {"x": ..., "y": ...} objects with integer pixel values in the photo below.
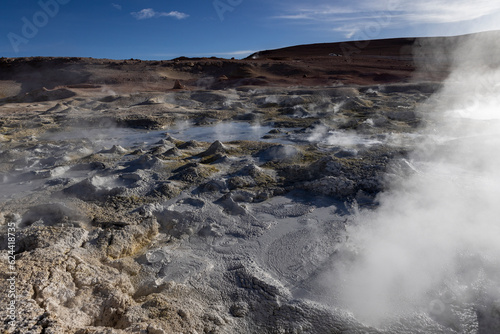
[{"x": 163, "y": 29}]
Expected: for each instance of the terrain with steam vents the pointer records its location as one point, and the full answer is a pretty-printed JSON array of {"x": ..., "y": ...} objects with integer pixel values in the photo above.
[{"x": 329, "y": 188}]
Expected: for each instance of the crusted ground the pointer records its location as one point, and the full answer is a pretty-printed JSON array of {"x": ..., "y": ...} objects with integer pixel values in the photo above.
[{"x": 129, "y": 223}]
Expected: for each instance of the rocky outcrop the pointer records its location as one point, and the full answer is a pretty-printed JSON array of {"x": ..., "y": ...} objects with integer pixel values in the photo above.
[
  {"x": 280, "y": 153},
  {"x": 331, "y": 186},
  {"x": 216, "y": 148},
  {"x": 178, "y": 85}
]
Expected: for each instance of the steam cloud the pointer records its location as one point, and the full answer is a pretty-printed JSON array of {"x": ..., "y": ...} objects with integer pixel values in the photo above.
[{"x": 432, "y": 247}]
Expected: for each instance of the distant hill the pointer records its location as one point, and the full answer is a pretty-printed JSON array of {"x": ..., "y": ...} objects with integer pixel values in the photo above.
[{"x": 324, "y": 64}]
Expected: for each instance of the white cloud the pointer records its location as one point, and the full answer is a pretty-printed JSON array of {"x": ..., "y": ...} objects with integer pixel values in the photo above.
[
  {"x": 117, "y": 6},
  {"x": 319, "y": 13},
  {"x": 146, "y": 13},
  {"x": 236, "y": 53},
  {"x": 176, "y": 14},
  {"x": 446, "y": 11},
  {"x": 355, "y": 15},
  {"x": 149, "y": 13}
]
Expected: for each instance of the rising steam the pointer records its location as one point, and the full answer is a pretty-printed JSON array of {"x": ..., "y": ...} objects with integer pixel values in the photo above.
[{"x": 432, "y": 247}]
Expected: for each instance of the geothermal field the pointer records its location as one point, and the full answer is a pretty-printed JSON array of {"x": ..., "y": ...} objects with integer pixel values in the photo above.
[{"x": 326, "y": 188}]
